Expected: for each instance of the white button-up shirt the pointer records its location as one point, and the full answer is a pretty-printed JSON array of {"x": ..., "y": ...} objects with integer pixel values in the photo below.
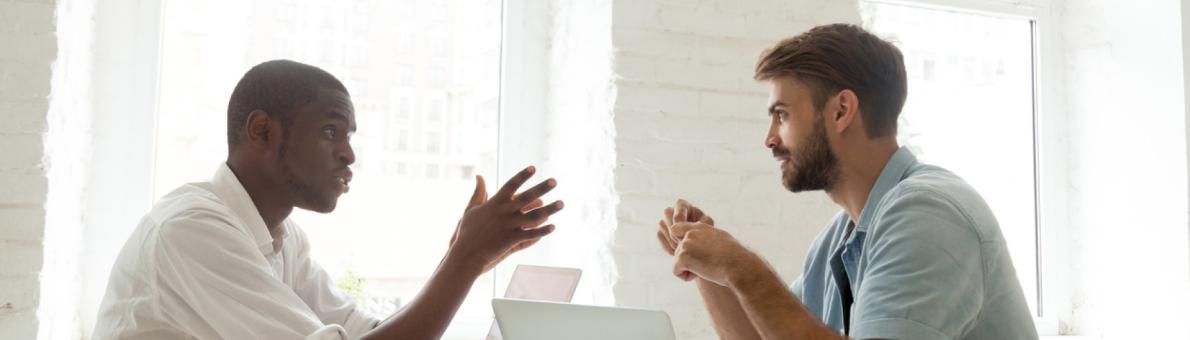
[{"x": 202, "y": 264}]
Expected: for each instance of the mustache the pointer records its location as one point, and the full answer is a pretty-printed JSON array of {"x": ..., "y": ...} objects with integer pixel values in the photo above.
[{"x": 780, "y": 151}]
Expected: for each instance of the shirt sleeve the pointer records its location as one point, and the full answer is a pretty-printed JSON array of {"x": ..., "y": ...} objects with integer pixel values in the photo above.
[
  {"x": 213, "y": 283},
  {"x": 797, "y": 287},
  {"x": 317, "y": 289},
  {"x": 923, "y": 278}
]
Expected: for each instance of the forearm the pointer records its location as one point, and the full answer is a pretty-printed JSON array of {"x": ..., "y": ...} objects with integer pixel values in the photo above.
[
  {"x": 729, "y": 318},
  {"x": 772, "y": 308},
  {"x": 428, "y": 315}
]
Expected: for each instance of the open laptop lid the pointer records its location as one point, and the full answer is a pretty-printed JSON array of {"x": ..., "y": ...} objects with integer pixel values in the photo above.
[
  {"x": 540, "y": 320},
  {"x": 539, "y": 283}
]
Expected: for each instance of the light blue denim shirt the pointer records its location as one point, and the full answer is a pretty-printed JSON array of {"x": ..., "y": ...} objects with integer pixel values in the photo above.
[{"x": 926, "y": 261}]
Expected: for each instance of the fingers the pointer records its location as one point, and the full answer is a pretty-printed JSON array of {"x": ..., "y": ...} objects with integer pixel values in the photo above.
[
  {"x": 681, "y": 211},
  {"x": 706, "y": 220},
  {"x": 536, "y": 233},
  {"x": 665, "y": 243},
  {"x": 535, "y": 192},
  {"x": 539, "y": 215},
  {"x": 696, "y": 214},
  {"x": 480, "y": 195},
  {"x": 663, "y": 236},
  {"x": 514, "y": 183},
  {"x": 679, "y": 230},
  {"x": 665, "y": 232},
  {"x": 537, "y": 203},
  {"x": 523, "y": 245},
  {"x": 669, "y": 217}
]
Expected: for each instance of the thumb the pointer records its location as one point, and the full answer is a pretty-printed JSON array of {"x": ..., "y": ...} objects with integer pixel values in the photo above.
[{"x": 480, "y": 195}]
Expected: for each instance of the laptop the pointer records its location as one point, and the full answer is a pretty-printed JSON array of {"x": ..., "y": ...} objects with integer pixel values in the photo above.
[
  {"x": 539, "y": 283},
  {"x": 541, "y": 320}
]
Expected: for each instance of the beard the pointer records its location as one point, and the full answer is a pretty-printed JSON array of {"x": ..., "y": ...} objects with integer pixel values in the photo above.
[
  {"x": 308, "y": 197},
  {"x": 813, "y": 165}
]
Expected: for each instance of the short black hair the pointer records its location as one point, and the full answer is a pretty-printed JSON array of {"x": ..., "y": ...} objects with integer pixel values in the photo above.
[{"x": 276, "y": 87}]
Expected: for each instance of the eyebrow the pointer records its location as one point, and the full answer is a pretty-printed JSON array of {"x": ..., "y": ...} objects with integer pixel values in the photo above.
[
  {"x": 335, "y": 114},
  {"x": 773, "y": 107}
]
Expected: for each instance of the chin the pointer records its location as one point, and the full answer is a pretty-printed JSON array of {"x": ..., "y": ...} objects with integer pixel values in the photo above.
[
  {"x": 796, "y": 184},
  {"x": 322, "y": 206},
  {"x": 327, "y": 208}
]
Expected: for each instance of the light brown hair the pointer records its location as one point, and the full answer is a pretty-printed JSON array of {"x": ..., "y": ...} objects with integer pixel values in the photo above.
[{"x": 831, "y": 58}]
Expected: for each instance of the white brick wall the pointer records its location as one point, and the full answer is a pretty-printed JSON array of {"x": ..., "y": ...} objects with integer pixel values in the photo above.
[
  {"x": 690, "y": 123},
  {"x": 26, "y": 32}
]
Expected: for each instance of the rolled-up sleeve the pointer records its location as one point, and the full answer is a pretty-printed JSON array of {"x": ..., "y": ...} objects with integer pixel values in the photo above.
[
  {"x": 922, "y": 277},
  {"x": 214, "y": 283}
]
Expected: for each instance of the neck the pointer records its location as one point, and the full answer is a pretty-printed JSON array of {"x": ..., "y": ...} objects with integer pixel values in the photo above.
[
  {"x": 270, "y": 201},
  {"x": 859, "y": 170}
]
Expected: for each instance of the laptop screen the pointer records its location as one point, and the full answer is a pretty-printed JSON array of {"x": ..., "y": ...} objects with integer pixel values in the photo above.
[{"x": 539, "y": 283}]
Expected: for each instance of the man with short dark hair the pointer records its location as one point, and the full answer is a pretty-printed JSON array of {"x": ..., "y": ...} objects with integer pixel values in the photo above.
[
  {"x": 915, "y": 253},
  {"x": 221, "y": 259}
]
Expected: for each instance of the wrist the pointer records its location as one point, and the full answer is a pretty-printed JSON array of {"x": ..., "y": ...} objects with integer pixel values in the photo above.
[
  {"x": 745, "y": 271},
  {"x": 461, "y": 264}
]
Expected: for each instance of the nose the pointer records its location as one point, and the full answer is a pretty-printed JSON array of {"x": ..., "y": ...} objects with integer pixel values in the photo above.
[
  {"x": 346, "y": 154},
  {"x": 771, "y": 140}
]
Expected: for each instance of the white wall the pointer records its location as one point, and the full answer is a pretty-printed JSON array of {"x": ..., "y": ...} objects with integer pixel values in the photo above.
[
  {"x": 1186, "y": 83},
  {"x": 30, "y": 48},
  {"x": 689, "y": 124},
  {"x": 1127, "y": 168}
]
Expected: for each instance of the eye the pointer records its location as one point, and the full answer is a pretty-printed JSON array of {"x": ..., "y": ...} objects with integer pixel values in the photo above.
[
  {"x": 330, "y": 132},
  {"x": 782, "y": 115}
]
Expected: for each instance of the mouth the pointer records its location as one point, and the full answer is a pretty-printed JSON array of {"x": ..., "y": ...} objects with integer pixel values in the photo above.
[
  {"x": 783, "y": 162},
  {"x": 344, "y": 179}
]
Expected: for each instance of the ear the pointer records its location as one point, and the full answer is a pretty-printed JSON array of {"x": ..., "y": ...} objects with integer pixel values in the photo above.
[
  {"x": 846, "y": 111},
  {"x": 259, "y": 130}
]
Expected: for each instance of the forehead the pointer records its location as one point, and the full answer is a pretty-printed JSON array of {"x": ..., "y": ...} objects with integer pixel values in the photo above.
[
  {"x": 788, "y": 90},
  {"x": 326, "y": 104}
]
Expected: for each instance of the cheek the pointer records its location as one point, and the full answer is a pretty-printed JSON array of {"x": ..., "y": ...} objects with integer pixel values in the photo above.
[
  {"x": 789, "y": 135},
  {"x": 303, "y": 155}
]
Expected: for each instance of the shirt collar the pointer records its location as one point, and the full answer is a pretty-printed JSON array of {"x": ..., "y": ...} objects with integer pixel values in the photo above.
[
  {"x": 894, "y": 171},
  {"x": 232, "y": 192}
]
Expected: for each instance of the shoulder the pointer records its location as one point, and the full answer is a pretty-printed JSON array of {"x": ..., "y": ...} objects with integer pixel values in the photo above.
[
  {"x": 935, "y": 202},
  {"x": 193, "y": 214}
]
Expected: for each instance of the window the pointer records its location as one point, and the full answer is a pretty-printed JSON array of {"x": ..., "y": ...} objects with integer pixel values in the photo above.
[
  {"x": 433, "y": 142},
  {"x": 432, "y": 171},
  {"x": 435, "y": 112},
  {"x": 404, "y": 107},
  {"x": 392, "y": 228},
  {"x": 402, "y": 142},
  {"x": 971, "y": 110}
]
